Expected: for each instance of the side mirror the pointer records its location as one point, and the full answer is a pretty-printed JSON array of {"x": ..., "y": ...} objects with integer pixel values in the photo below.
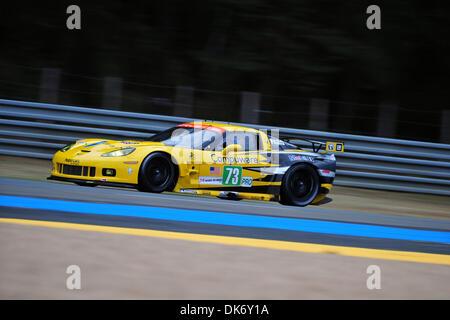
[{"x": 232, "y": 148}]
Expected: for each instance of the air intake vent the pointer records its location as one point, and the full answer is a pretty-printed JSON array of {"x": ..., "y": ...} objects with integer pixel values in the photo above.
[{"x": 75, "y": 170}]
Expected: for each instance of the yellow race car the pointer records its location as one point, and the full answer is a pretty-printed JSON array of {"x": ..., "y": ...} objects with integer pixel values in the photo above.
[{"x": 206, "y": 158}]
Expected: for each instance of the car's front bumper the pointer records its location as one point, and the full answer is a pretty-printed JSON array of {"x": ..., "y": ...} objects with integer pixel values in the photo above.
[
  {"x": 93, "y": 182},
  {"x": 91, "y": 169}
]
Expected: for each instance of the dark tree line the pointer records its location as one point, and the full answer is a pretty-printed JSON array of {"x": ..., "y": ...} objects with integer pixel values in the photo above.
[{"x": 291, "y": 48}]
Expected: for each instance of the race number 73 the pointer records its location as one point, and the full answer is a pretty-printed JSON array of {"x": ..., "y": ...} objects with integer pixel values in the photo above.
[{"x": 232, "y": 176}]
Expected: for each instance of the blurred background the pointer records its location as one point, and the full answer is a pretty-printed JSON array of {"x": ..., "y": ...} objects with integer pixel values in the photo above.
[{"x": 294, "y": 63}]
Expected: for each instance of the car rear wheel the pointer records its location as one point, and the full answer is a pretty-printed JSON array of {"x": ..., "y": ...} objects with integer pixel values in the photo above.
[
  {"x": 157, "y": 173},
  {"x": 300, "y": 185}
]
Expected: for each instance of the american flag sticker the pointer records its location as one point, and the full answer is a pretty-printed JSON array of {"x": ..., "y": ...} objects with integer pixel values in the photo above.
[{"x": 215, "y": 171}]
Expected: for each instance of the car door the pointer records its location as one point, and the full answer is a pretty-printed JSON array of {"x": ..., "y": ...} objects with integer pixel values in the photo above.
[{"x": 231, "y": 169}]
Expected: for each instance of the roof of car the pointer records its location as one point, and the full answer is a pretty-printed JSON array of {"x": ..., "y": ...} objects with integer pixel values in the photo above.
[{"x": 223, "y": 125}]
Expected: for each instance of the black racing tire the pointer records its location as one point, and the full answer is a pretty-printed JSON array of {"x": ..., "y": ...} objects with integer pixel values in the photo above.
[
  {"x": 157, "y": 173},
  {"x": 300, "y": 185}
]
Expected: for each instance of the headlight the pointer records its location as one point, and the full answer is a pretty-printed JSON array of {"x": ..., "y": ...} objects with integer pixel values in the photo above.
[
  {"x": 64, "y": 149},
  {"x": 119, "y": 153}
]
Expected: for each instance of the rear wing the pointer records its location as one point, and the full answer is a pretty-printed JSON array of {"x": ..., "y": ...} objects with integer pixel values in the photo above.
[{"x": 316, "y": 145}]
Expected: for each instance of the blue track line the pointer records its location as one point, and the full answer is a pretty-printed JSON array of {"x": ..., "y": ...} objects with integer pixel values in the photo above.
[{"x": 230, "y": 219}]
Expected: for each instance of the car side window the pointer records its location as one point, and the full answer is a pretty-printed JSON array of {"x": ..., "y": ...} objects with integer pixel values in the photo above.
[
  {"x": 249, "y": 141},
  {"x": 213, "y": 142}
]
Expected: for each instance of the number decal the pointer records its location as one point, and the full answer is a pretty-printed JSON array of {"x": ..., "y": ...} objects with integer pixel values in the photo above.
[
  {"x": 227, "y": 175},
  {"x": 330, "y": 146},
  {"x": 232, "y": 176},
  {"x": 236, "y": 176},
  {"x": 334, "y": 146}
]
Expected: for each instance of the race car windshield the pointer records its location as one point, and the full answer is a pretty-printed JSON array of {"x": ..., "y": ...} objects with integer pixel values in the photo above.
[{"x": 184, "y": 137}]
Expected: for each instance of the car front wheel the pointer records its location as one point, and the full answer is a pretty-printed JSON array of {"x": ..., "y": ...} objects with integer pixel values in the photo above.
[{"x": 157, "y": 173}]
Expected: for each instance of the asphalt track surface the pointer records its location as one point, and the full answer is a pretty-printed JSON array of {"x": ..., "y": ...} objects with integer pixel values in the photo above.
[
  {"x": 133, "y": 245},
  {"x": 113, "y": 207}
]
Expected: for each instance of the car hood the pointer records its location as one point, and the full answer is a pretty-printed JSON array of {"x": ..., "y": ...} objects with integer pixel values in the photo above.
[{"x": 103, "y": 145}]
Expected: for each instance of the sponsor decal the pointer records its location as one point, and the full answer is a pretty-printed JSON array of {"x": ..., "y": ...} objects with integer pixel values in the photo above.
[
  {"x": 130, "y": 171},
  {"x": 71, "y": 160},
  {"x": 104, "y": 179},
  {"x": 128, "y": 142},
  {"x": 188, "y": 191},
  {"x": 247, "y": 182},
  {"x": 232, "y": 159},
  {"x": 215, "y": 171},
  {"x": 294, "y": 157},
  {"x": 94, "y": 144},
  {"x": 233, "y": 178},
  {"x": 210, "y": 180}
]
